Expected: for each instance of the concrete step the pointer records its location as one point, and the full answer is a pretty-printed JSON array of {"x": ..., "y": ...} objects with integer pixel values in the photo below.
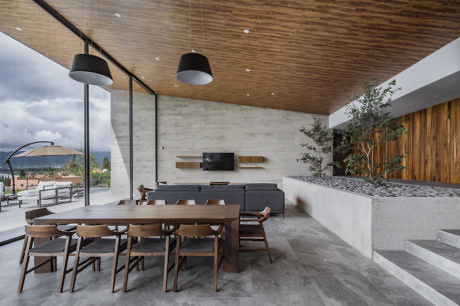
[
  {"x": 451, "y": 237},
  {"x": 436, "y": 285},
  {"x": 437, "y": 253}
]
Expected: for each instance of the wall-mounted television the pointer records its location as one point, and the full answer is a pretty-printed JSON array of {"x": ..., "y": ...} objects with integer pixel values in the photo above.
[{"x": 218, "y": 161}]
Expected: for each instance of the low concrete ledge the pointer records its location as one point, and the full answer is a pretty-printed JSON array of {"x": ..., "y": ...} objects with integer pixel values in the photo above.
[{"x": 369, "y": 223}]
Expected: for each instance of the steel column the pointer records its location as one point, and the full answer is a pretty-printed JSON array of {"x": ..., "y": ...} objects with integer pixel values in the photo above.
[
  {"x": 131, "y": 150},
  {"x": 86, "y": 134}
]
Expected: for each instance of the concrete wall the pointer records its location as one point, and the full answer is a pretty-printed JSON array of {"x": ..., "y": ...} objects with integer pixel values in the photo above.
[
  {"x": 191, "y": 127},
  {"x": 143, "y": 139},
  {"x": 347, "y": 215},
  {"x": 374, "y": 223}
]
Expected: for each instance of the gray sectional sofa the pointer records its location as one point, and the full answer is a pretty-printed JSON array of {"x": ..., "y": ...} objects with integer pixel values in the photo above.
[{"x": 251, "y": 197}]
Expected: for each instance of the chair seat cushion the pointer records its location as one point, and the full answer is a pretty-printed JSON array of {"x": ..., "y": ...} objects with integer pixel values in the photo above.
[
  {"x": 53, "y": 246},
  {"x": 149, "y": 245},
  {"x": 103, "y": 245},
  {"x": 198, "y": 245},
  {"x": 249, "y": 229}
]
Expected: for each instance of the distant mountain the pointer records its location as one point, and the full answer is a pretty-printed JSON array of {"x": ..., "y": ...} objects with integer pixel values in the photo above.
[{"x": 41, "y": 162}]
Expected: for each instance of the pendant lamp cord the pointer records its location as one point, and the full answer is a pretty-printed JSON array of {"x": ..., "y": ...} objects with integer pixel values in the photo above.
[
  {"x": 202, "y": 27},
  {"x": 190, "y": 26}
]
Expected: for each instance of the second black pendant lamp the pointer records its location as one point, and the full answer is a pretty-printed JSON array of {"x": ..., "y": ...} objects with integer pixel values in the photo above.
[{"x": 194, "y": 68}]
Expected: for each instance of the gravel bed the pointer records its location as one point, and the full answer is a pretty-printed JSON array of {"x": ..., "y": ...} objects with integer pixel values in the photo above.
[{"x": 389, "y": 189}]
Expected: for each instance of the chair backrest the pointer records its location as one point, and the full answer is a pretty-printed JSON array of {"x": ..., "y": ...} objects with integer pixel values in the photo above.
[
  {"x": 156, "y": 202},
  {"x": 199, "y": 230},
  {"x": 264, "y": 214},
  {"x": 36, "y": 213},
  {"x": 94, "y": 231},
  {"x": 143, "y": 192},
  {"x": 127, "y": 202},
  {"x": 42, "y": 231},
  {"x": 215, "y": 202},
  {"x": 186, "y": 202},
  {"x": 148, "y": 230}
]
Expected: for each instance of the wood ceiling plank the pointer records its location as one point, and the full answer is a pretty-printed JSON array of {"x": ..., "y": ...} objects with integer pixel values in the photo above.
[{"x": 313, "y": 54}]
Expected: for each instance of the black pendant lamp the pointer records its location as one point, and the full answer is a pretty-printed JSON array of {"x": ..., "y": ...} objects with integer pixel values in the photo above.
[
  {"x": 194, "y": 69},
  {"x": 90, "y": 69}
]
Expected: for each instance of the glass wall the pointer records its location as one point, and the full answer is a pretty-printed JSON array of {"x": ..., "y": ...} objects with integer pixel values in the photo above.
[{"x": 39, "y": 102}]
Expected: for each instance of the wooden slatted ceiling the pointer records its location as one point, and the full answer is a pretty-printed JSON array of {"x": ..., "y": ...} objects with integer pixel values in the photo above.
[{"x": 313, "y": 54}]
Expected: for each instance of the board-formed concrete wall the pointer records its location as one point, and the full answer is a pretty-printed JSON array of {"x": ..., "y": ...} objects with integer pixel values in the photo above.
[
  {"x": 191, "y": 127},
  {"x": 143, "y": 140},
  {"x": 374, "y": 223}
]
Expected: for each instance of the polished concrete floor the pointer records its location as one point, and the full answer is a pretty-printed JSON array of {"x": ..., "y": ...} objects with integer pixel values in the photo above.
[{"x": 312, "y": 267}]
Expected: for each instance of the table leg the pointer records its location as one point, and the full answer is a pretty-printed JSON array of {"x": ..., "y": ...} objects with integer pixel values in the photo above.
[
  {"x": 38, "y": 260},
  {"x": 232, "y": 246}
]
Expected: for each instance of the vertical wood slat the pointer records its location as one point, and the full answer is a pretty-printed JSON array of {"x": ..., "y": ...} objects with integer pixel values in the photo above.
[{"x": 431, "y": 145}]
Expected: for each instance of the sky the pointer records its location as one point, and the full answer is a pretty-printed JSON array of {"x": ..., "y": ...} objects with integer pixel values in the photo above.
[{"x": 39, "y": 101}]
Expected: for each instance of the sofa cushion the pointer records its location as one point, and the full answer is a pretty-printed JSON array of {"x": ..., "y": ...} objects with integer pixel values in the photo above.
[
  {"x": 179, "y": 187},
  {"x": 261, "y": 186},
  {"x": 222, "y": 187}
]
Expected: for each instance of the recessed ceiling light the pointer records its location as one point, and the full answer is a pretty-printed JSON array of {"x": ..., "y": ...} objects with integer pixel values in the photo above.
[
  {"x": 248, "y": 94},
  {"x": 175, "y": 85},
  {"x": 273, "y": 93},
  {"x": 248, "y": 70},
  {"x": 246, "y": 31},
  {"x": 193, "y": 51},
  {"x": 117, "y": 15},
  {"x": 157, "y": 58},
  {"x": 143, "y": 77},
  {"x": 19, "y": 29}
]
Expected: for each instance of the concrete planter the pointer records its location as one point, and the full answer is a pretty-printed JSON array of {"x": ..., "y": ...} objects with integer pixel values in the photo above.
[{"x": 369, "y": 223}]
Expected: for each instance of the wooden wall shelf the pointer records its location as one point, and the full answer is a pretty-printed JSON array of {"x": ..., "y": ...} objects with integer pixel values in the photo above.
[
  {"x": 188, "y": 165},
  {"x": 251, "y": 159},
  {"x": 252, "y": 168},
  {"x": 187, "y": 156}
]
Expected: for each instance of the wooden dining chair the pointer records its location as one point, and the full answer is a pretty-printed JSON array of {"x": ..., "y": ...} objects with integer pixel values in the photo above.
[
  {"x": 186, "y": 202},
  {"x": 128, "y": 202},
  {"x": 147, "y": 240},
  {"x": 253, "y": 230},
  {"x": 36, "y": 213},
  {"x": 215, "y": 202},
  {"x": 52, "y": 248},
  {"x": 143, "y": 193},
  {"x": 195, "y": 245},
  {"x": 156, "y": 202},
  {"x": 99, "y": 247}
]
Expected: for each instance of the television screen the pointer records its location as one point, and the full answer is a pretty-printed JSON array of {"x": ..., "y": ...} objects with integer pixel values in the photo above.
[{"x": 218, "y": 162}]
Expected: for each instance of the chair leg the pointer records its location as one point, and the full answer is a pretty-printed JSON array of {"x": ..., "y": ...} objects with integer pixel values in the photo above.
[
  {"x": 75, "y": 266},
  {"x": 166, "y": 263},
  {"x": 142, "y": 263},
  {"x": 114, "y": 266},
  {"x": 128, "y": 256},
  {"x": 25, "y": 263},
  {"x": 176, "y": 264},
  {"x": 267, "y": 248},
  {"x": 216, "y": 266},
  {"x": 99, "y": 264},
  {"x": 23, "y": 250},
  {"x": 125, "y": 276},
  {"x": 93, "y": 264},
  {"x": 64, "y": 266}
]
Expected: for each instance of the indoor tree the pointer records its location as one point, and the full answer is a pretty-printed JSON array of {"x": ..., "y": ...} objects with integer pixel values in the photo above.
[
  {"x": 320, "y": 146},
  {"x": 370, "y": 126}
]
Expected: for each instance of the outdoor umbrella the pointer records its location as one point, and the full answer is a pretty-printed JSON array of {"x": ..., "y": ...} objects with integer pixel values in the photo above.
[{"x": 50, "y": 150}]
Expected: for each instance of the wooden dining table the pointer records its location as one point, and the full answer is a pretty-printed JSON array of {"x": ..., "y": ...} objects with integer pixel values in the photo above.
[{"x": 228, "y": 215}]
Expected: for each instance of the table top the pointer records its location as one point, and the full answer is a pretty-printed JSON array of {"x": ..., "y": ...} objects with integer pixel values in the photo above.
[{"x": 141, "y": 214}]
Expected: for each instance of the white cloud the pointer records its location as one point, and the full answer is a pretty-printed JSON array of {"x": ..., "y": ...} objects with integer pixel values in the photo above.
[{"x": 38, "y": 101}]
